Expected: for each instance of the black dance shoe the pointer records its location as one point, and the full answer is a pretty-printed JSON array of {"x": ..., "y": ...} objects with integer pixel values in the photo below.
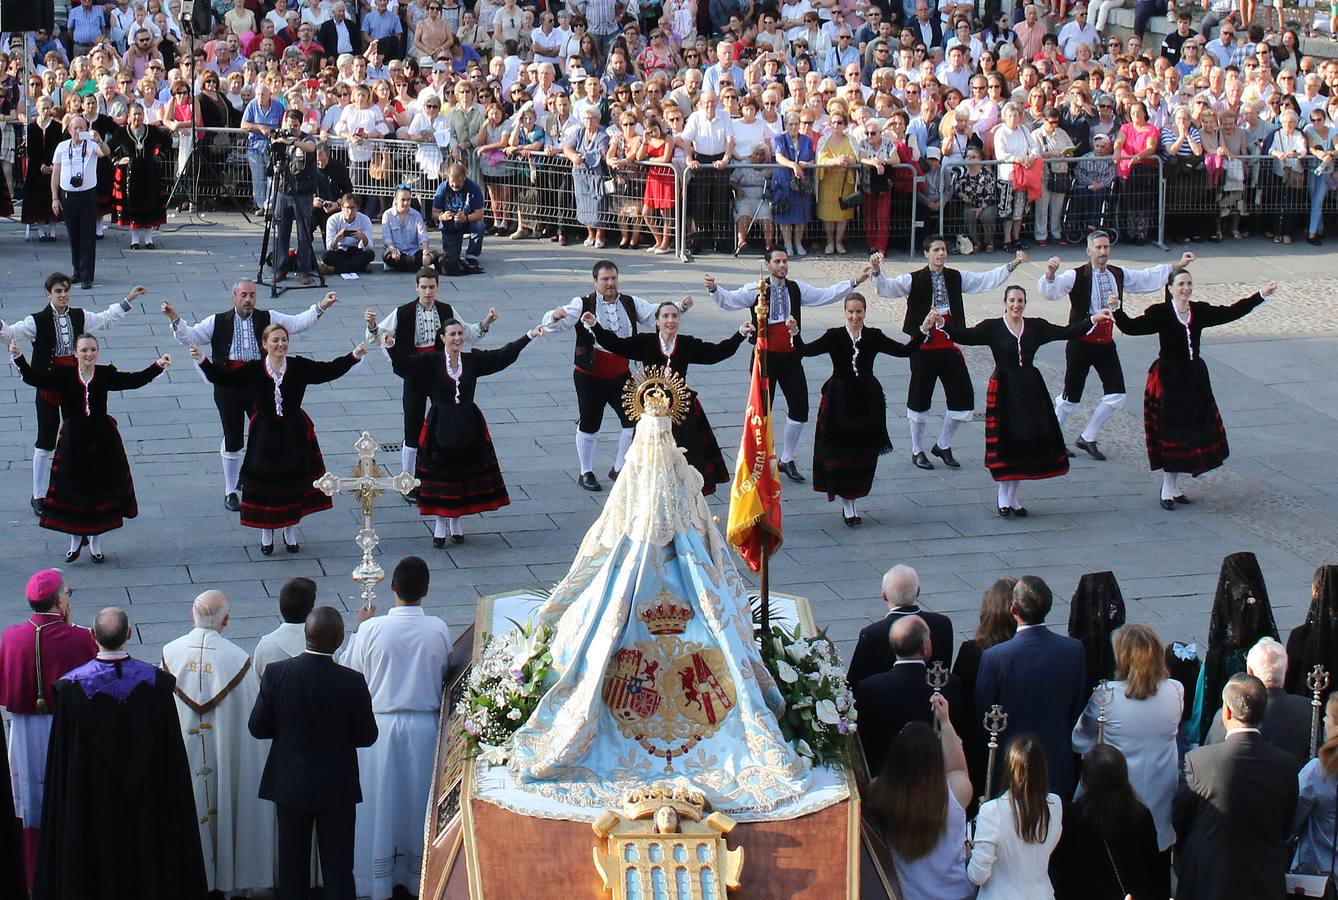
[
  {"x": 613, "y": 474},
  {"x": 1005, "y": 512},
  {"x": 1020, "y": 512},
  {"x": 589, "y": 482},
  {"x": 1069, "y": 453},
  {"x": 921, "y": 461},
  {"x": 412, "y": 497},
  {"x": 438, "y": 542},
  {"x": 1182, "y": 499},
  {"x": 457, "y": 539},
  {"x": 267, "y": 549},
  {"x": 945, "y": 454},
  {"x": 1092, "y": 449},
  {"x": 849, "y": 520},
  {"x": 791, "y": 471},
  {"x": 231, "y": 502},
  {"x": 98, "y": 557},
  {"x": 291, "y": 548},
  {"x": 72, "y": 555},
  {"x": 38, "y": 504},
  {"x": 1167, "y": 504}
]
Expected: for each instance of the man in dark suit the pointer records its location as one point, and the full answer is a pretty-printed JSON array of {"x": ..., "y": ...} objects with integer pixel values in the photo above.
[
  {"x": 1235, "y": 807},
  {"x": 1286, "y": 722},
  {"x": 1038, "y": 678},
  {"x": 901, "y": 593},
  {"x": 318, "y": 714},
  {"x": 339, "y": 34},
  {"x": 888, "y": 700}
]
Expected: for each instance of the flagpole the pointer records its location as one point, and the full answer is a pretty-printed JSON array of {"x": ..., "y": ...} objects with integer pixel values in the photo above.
[{"x": 761, "y": 319}]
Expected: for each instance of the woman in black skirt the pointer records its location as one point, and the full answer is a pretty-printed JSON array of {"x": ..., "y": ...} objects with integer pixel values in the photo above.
[
  {"x": 44, "y": 133},
  {"x": 667, "y": 347},
  {"x": 91, "y": 491},
  {"x": 1023, "y": 441},
  {"x": 852, "y": 416},
  {"x": 1180, "y": 417},
  {"x": 137, "y": 185},
  {"x": 456, "y": 460},
  {"x": 104, "y": 125},
  {"x": 283, "y": 457}
]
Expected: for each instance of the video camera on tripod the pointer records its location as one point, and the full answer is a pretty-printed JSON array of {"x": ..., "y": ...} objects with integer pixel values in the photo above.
[{"x": 285, "y": 157}]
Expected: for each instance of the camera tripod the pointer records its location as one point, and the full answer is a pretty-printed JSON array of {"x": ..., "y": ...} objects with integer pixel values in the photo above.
[{"x": 280, "y": 180}]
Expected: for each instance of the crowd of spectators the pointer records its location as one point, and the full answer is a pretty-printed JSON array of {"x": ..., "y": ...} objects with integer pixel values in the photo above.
[
  {"x": 1026, "y": 123},
  {"x": 1125, "y": 766}
]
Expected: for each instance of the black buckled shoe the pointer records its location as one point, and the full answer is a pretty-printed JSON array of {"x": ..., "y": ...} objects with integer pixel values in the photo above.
[
  {"x": 291, "y": 548},
  {"x": 1020, "y": 512},
  {"x": 38, "y": 504},
  {"x": 267, "y": 549},
  {"x": 457, "y": 539},
  {"x": 613, "y": 474},
  {"x": 921, "y": 461},
  {"x": 589, "y": 482},
  {"x": 1005, "y": 512},
  {"x": 438, "y": 542},
  {"x": 231, "y": 502},
  {"x": 98, "y": 557},
  {"x": 1182, "y": 499},
  {"x": 1167, "y": 504},
  {"x": 1091, "y": 448},
  {"x": 945, "y": 454},
  {"x": 791, "y": 471}
]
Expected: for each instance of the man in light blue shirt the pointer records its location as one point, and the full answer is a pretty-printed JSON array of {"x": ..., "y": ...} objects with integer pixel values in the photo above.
[
  {"x": 724, "y": 52},
  {"x": 262, "y": 115},
  {"x": 405, "y": 244},
  {"x": 348, "y": 239},
  {"x": 87, "y": 26},
  {"x": 384, "y": 26}
]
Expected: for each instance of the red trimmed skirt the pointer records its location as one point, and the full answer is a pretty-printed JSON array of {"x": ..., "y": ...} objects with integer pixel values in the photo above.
[
  {"x": 1180, "y": 418},
  {"x": 850, "y": 435},
  {"x": 130, "y": 207},
  {"x": 1022, "y": 437},
  {"x": 278, "y": 495},
  {"x": 459, "y": 481},
  {"x": 86, "y": 502},
  {"x": 695, "y": 436}
]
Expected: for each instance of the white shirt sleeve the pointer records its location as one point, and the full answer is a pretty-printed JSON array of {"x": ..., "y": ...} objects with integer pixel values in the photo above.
[
  {"x": 892, "y": 286},
  {"x": 985, "y": 847},
  {"x": 1146, "y": 281},
  {"x": 200, "y": 334},
  {"x": 979, "y": 282},
  {"x": 23, "y": 329},
  {"x": 1057, "y": 288},
  {"x": 94, "y": 321},
  {"x": 809, "y": 295},
  {"x": 551, "y": 325},
  {"x": 298, "y": 323},
  {"x": 743, "y": 298}
]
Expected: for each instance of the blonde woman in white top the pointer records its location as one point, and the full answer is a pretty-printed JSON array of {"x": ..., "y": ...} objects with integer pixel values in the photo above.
[{"x": 1017, "y": 831}]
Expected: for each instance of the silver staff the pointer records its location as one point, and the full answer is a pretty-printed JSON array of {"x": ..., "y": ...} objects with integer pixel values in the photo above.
[
  {"x": 1103, "y": 694},
  {"x": 996, "y": 720},
  {"x": 1318, "y": 682},
  {"x": 936, "y": 676}
]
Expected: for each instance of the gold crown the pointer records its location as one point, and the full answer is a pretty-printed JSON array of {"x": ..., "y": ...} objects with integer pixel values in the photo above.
[
  {"x": 666, "y": 618},
  {"x": 657, "y": 391},
  {"x": 642, "y": 802}
]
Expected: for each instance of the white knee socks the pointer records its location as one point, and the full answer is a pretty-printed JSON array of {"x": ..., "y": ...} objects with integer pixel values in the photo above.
[
  {"x": 232, "y": 469},
  {"x": 408, "y": 458},
  {"x": 41, "y": 473},
  {"x": 1104, "y": 410},
  {"x": 1063, "y": 409},
  {"x": 848, "y": 508},
  {"x": 76, "y": 541},
  {"x": 791, "y": 439},
  {"x": 1008, "y": 495},
  {"x": 456, "y": 526},
  {"x": 95, "y": 544},
  {"x": 1170, "y": 488},
  {"x": 624, "y": 442},
  {"x": 918, "y": 423},
  {"x": 267, "y": 537},
  {"x": 585, "y": 450},
  {"x": 439, "y": 526},
  {"x": 290, "y": 534},
  {"x": 950, "y": 426}
]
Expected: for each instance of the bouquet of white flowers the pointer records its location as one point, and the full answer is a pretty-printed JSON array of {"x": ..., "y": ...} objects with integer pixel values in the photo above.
[
  {"x": 819, "y": 715},
  {"x": 504, "y": 687}
]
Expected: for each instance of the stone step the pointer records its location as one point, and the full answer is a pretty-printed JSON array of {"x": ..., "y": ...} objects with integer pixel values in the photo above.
[{"x": 1121, "y": 21}]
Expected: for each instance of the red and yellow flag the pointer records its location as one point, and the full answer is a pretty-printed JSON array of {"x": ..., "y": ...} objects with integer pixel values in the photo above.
[{"x": 755, "y": 499}]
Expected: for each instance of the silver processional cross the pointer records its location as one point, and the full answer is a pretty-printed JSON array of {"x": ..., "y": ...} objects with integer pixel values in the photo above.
[{"x": 367, "y": 483}]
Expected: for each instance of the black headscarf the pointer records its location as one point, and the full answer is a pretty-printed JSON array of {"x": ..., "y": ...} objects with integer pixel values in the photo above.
[
  {"x": 1241, "y": 616},
  {"x": 1315, "y": 642},
  {"x": 1096, "y": 611}
]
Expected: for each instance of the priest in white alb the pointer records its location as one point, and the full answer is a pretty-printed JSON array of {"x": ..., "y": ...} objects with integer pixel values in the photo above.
[
  {"x": 215, "y": 691},
  {"x": 404, "y": 656},
  {"x": 297, "y": 598}
]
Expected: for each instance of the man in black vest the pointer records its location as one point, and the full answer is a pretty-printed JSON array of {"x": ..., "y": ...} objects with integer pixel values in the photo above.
[
  {"x": 234, "y": 338},
  {"x": 53, "y": 331},
  {"x": 415, "y": 326},
  {"x": 600, "y": 375},
  {"x": 1088, "y": 289},
  {"x": 785, "y": 368},
  {"x": 938, "y": 358}
]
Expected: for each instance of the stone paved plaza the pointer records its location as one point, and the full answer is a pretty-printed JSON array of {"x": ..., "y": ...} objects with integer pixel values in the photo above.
[{"x": 1275, "y": 374}]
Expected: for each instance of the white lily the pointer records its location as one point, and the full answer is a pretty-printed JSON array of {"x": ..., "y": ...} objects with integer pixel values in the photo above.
[
  {"x": 493, "y": 756},
  {"x": 827, "y": 712},
  {"x": 786, "y": 672},
  {"x": 803, "y": 749}
]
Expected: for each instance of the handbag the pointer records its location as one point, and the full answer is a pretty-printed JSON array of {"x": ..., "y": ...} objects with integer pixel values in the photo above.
[
  {"x": 1180, "y": 166},
  {"x": 1308, "y": 884},
  {"x": 1057, "y": 182},
  {"x": 378, "y": 167},
  {"x": 1293, "y": 179}
]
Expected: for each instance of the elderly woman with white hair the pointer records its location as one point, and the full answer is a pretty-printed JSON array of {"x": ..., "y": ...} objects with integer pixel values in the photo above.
[
  {"x": 1013, "y": 147},
  {"x": 1289, "y": 151},
  {"x": 1286, "y": 721},
  {"x": 586, "y": 148}
]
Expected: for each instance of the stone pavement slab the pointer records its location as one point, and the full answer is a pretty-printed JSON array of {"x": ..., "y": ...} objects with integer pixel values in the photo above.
[{"x": 1274, "y": 374}]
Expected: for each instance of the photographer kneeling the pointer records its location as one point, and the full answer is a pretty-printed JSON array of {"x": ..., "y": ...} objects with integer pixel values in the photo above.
[
  {"x": 348, "y": 240},
  {"x": 293, "y": 160},
  {"x": 458, "y": 209}
]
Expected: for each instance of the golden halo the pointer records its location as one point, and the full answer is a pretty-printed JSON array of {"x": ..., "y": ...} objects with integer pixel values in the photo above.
[{"x": 656, "y": 391}]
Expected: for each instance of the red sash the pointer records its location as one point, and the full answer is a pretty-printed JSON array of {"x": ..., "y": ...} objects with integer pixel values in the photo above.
[
  {"x": 778, "y": 338},
  {"x": 1103, "y": 333},
  {"x": 938, "y": 338},
  {"x": 607, "y": 365}
]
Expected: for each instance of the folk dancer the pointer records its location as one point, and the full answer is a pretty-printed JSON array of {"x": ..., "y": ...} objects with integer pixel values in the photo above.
[
  {"x": 234, "y": 340},
  {"x": 852, "y": 416},
  {"x": 415, "y": 327},
  {"x": 672, "y": 349},
  {"x": 283, "y": 457},
  {"x": 939, "y": 288},
  {"x": 53, "y": 332},
  {"x": 600, "y": 375},
  {"x": 785, "y": 368},
  {"x": 458, "y": 467},
  {"x": 1088, "y": 289},
  {"x": 1022, "y": 436},
  {"x": 91, "y": 489},
  {"x": 33, "y": 654},
  {"x": 1180, "y": 415}
]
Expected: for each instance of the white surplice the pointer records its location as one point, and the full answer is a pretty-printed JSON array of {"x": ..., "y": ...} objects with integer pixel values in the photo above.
[
  {"x": 404, "y": 656},
  {"x": 216, "y": 689},
  {"x": 284, "y": 642}
]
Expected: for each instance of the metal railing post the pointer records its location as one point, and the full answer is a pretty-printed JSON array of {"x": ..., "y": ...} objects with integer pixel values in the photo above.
[{"x": 1161, "y": 205}]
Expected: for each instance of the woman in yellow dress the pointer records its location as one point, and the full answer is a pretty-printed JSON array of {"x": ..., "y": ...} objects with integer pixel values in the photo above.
[{"x": 836, "y": 177}]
